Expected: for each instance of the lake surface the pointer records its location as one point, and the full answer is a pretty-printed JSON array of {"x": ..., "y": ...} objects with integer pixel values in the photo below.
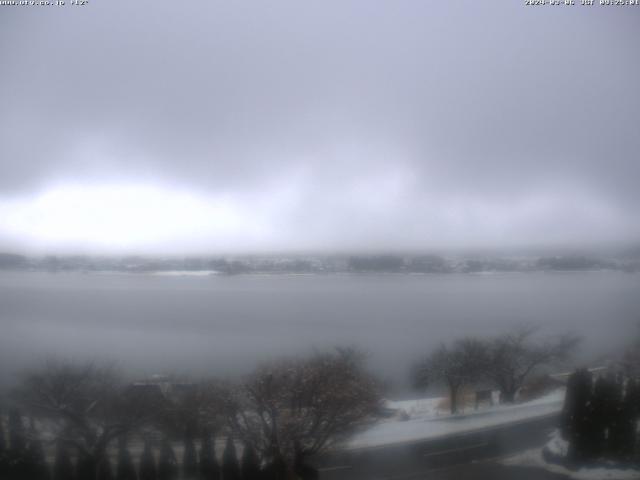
[{"x": 222, "y": 325}]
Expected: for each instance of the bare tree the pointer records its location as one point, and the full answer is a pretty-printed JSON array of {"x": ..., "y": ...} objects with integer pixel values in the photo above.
[
  {"x": 194, "y": 407},
  {"x": 87, "y": 406},
  {"x": 515, "y": 355},
  {"x": 290, "y": 410},
  {"x": 456, "y": 366}
]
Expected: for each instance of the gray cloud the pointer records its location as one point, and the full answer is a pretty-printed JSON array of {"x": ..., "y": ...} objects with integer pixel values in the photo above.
[{"x": 360, "y": 124}]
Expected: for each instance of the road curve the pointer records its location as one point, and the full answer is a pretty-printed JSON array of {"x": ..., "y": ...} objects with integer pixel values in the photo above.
[{"x": 417, "y": 458}]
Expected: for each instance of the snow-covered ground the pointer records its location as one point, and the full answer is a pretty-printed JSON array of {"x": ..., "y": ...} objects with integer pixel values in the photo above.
[
  {"x": 428, "y": 407},
  {"x": 424, "y": 420},
  {"x": 183, "y": 273},
  {"x": 534, "y": 458}
]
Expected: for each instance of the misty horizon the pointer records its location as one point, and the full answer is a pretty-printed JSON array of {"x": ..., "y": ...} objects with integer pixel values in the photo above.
[{"x": 330, "y": 127}]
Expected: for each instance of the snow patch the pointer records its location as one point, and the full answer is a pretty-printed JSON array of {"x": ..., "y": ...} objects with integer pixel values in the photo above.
[
  {"x": 557, "y": 446},
  {"x": 422, "y": 407},
  {"x": 184, "y": 273}
]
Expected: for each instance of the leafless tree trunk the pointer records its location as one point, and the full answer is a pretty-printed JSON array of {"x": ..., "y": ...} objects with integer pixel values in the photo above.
[
  {"x": 293, "y": 409},
  {"x": 87, "y": 405},
  {"x": 456, "y": 366},
  {"x": 515, "y": 355}
]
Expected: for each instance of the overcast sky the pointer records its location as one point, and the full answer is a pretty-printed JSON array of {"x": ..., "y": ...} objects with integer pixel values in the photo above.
[{"x": 176, "y": 127}]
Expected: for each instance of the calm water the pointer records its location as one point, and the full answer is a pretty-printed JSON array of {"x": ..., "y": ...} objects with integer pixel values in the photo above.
[{"x": 224, "y": 325}]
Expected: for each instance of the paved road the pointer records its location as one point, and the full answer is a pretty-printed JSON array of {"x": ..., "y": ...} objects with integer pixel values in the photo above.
[
  {"x": 477, "y": 471},
  {"x": 460, "y": 456}
]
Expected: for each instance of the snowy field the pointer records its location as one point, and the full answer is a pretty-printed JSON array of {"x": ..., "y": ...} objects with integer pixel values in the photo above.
[{"x": 424, "y": 420}]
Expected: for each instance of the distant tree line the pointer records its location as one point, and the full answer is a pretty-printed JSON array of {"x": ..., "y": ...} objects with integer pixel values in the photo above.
[
  {"x": 382, "y": 263},
  {"x": 278, "y": 418}
]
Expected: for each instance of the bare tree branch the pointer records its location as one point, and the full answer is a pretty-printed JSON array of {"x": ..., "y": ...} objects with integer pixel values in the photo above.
[{"x": 295, "y": 408}]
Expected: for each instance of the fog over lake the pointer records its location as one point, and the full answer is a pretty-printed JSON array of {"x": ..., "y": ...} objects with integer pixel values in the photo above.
[{"x": 221, "y": 325}]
